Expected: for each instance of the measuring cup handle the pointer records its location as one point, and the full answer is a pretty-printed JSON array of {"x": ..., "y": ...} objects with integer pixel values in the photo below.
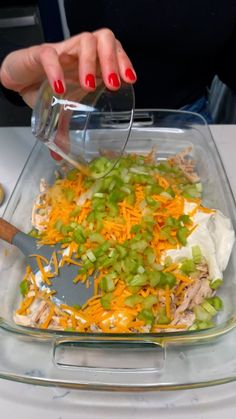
[{"x": 7, "y": 231}]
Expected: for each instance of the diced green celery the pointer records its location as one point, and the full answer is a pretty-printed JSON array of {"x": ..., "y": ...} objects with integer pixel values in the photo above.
[
  {"x": 146, "y": 315},
  {"x": 69, "y": 194},
  {"x": 197, "y": 254},
  {"x": 140, "y": 269},
  {"x": 201, "y": 325},
  {"x": 168, "y": 261},
  {"x": 140, "y": 246},
  {"x": 65, "y": 229},
  {"x": 216, "y": 284},
  {"x": 88, "y": 265},
  {"x": 66, "y": 240},
  {"x": 150, "y": 254},
  {"x": 170, "y": 192},
  {"x": 106, "y": 301},
  {"x": 182, "y": 234},
  {"x": 71, "y": 175},
  {"x": 216, "y": 302},
  {"x": 34, "y": 233},
  {"x": 131, "y": 198},
  {"x": 113, "y": 209},
  {"x": 79, "y": 235},
  {"x": 122, "y": 250},
  {"x": 152, "y": 202},
  {"x": 132, "y": 300},
  {"x": 99, "y": 167},
  {"x": 172, "y": 222},
  {"x": 190, "y": 191},
  {"x": 99, "y": 195},
  {"x": 91, "y": 256},
  {"x": 167, "y": 278},
  {"x": 164, "y": 167},
  {"x": 96, "y": 238},
  {"x": 201, "y": 314},
  {"x": 188, "y": 266},
  {"x": 138, "y": 280},
  {"x": 162, "y": 317},
  {"x": 107, "y": 284},
  {"x": 209, "y": 307},
  {"x": 58, "y": 224},
  {"x": 154, "y": 278},
  {"x": 149, "y": 301},
  {"x": 24, "y": 287},
  {"x": 77, "y": 307},
  {"x": 184, "y": 218}
]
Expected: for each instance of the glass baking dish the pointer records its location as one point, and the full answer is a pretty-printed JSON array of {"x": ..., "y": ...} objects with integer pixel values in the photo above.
[{"x": 121, "y": 361}]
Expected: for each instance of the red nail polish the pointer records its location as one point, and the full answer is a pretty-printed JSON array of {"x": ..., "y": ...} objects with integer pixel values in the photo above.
[
  {"x": 55, "y": 156},
  {"x": 130, "y": 74},
  {"x": 90, "y": 81},
  {"x": 58, "y": 87},
  {"x": 113, "y": 80}
]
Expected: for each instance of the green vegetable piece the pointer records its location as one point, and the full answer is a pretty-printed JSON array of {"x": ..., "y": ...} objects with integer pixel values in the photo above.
[
  {"x": 75, "y": 211},
  {"x": 138, "y": 280},
  {"x": 201, "y": 314},
  {"x": 182, "y": 235},
  {"x": 149, "y": 301},
  {"x": 107, "y": 283},
  {"x": 209, "y": 307},
  {"x": 91, "y": 256},
  {"x": 188, "y": 266},
  {"x": 140, "y": 246},
  {"x": 69, "y": 194},
  {"x": 34, "y": 233},
  {"x": 106, "y": 301},
  {"x": 150, "y": 254},
  {"x": 58, "y": 225},
  {"x": 66, "y": 240},
  {"x": 216, "y": 302},
  {"x": 197, "y": 254},
  {"x": 216, "y": 284},
  {"x": 154, "y": 278},
  {"x": 162, "y": 317},
  {"x": 71, "y": 175},
  {"x": 184, "y": 218},
  {"x": 172, "y": 222},
  {"x": 168, "y": 261},
  {"x": 132, "y": 300},
  {"x": 170, "y": 192},
  {"x": 167, "y": 278},
  {"x": 96, "y": 238},
  {"x": 77, "y": 307},
  {"x": 24, "y": 287},
  {"x": 146, "y": 315}
]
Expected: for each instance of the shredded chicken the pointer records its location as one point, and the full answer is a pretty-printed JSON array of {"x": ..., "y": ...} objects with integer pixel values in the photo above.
[
  {"x": 186, "y": 164},
  {"x": 40, "y": 209}
]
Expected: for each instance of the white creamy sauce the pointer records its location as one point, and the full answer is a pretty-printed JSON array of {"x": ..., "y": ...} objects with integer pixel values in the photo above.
[{"x": 214, "y": 235}]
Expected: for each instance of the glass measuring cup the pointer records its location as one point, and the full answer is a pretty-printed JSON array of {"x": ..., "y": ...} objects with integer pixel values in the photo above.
[{"x": 80, "y": 126}]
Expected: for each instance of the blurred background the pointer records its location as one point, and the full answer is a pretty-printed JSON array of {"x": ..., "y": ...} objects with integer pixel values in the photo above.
[{"x": 25, "y": 23}]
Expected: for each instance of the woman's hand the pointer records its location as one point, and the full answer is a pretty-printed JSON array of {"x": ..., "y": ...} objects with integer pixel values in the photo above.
[{"x": 83, "y": 57}]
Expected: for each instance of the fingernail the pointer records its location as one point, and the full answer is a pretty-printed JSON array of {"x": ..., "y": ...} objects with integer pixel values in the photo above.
[
  {"x": 90, "y": 81},
  {"x": 58, "y": 87},
  {"x": 130, "y": 74},
  {"x": 113, "y": 80},
  {"x": 55, "y": 156}
]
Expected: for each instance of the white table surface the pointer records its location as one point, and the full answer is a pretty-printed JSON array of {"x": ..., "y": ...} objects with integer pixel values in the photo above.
[{"x": 23, "y": 401}]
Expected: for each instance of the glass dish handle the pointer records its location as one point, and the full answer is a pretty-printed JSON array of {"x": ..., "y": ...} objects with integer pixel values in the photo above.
[{"x": 109, "y": 354}]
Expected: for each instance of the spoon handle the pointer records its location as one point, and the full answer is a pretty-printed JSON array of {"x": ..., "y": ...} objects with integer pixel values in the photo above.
[{"x": 7, "y": 231}]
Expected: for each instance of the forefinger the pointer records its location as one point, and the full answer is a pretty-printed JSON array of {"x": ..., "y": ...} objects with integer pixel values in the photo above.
[{"x": 106, "y": 49}]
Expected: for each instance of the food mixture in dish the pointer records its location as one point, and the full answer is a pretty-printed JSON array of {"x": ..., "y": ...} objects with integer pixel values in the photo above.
[{"x": 156, "y": 253}]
